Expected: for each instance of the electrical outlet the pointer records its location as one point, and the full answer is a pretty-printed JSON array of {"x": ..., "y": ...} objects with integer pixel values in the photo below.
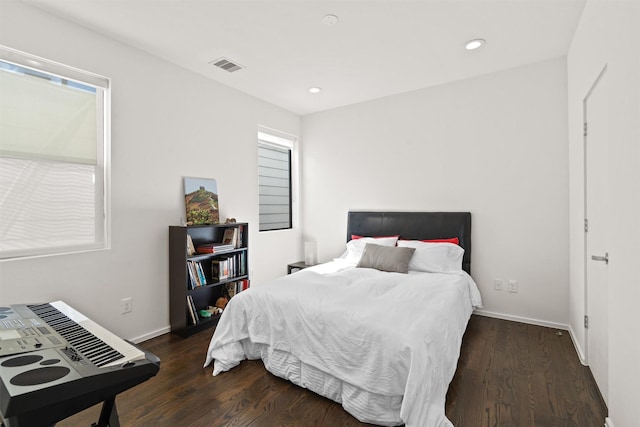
[
  {"x": 513, "y": 286},
  {"x": 126, "y": 305},
  {"x": 498, "y": 285}
]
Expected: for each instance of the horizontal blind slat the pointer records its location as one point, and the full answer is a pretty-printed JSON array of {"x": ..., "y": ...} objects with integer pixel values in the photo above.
[{"x": 274, "y": 186}]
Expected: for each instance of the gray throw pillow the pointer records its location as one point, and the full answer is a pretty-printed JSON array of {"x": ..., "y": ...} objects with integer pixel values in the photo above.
[{"x": 386, "y": 258}]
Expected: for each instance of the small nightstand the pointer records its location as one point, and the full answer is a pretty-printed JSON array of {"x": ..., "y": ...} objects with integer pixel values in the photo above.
[{"x": 300, "y": 265}]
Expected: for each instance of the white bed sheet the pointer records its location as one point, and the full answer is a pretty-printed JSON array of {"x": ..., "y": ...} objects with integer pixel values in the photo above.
[{"x": 384, "y": 345}]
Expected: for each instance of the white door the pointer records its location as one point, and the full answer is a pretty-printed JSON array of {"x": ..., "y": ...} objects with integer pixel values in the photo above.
[{"x": 596, "y": 207}]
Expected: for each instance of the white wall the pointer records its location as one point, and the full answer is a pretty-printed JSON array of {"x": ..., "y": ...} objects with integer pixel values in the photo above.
[
  {"x": 166, "y": 123},
  {"x": 495, "y": 145},
  {"x": 607, "y": 35}
]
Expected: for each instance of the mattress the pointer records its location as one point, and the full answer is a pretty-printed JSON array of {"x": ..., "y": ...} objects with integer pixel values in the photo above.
[{"x": 384, "y": 345}]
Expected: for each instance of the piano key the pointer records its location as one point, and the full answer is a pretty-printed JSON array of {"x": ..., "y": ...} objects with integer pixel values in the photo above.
[{"x": 58, "y": 313}]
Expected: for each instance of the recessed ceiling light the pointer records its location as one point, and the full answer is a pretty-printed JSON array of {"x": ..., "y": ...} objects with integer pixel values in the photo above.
[
  {"x": 315, "y": 89},
  {"x": 474, "y": 44},
  {"x": 330, "y": 19}
]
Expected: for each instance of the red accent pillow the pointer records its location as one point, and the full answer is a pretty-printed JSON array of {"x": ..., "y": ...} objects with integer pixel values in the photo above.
[
  {"x": 356, "y": 237},
  {"x": 453, "y": 240}
]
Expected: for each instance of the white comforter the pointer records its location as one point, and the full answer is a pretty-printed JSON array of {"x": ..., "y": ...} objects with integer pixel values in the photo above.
[{"x": 389, "y": 334}]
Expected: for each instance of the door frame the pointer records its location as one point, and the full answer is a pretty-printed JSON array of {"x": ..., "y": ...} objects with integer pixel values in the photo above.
[{"x": 593, "y": 86}]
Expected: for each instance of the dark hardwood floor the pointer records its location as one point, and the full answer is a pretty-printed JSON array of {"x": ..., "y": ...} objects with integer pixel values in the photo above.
[
  {"x": 515, "y": 374},
  {"x": 509, "y": 374}
]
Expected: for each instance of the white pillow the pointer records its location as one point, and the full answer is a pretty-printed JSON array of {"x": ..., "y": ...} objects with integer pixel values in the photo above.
[
  {"x": 355, "y": 247},
  {"x": 434, "y": 257}
]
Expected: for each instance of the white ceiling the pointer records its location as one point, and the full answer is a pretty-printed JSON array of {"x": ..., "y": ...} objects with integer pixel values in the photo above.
[{"x": 378, "y": 48}]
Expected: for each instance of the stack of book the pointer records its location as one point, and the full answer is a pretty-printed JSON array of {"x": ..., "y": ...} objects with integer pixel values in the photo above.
[{"x": 214, "y": 248}]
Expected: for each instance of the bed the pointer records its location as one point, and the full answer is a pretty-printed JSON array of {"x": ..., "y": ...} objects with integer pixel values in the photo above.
[{"x": 377, "y": 329}]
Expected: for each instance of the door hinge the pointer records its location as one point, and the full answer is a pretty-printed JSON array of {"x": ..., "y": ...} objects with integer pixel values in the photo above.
[
  {"x": 585, "y": 128},
  {"x": 586, "y": 225},
  {"x": 586, "y": 322}
]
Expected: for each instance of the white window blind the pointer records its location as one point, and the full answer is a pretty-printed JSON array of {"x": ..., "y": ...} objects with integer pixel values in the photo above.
[
  {"x": 274, "y": 178},
  {"x": 53, "y": 151}
]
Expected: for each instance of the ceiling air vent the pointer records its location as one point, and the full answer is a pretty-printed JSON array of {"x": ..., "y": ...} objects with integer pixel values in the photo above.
[{"x": 226, "y": 65}]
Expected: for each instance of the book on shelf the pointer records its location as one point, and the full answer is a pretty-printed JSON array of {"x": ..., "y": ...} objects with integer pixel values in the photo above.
[
  {"x": 196, "y": 274},
  {"x": 243, "y": 264},
  {"x": 200, "y": 272},
  {"x": 228, "y": 267},
  {"x": 219, "y": 269},
  {"x": 214, "y": 248},
  {"x": 234, "y": 288},
  {"x": 193, "y": 283},
  {"x": 230, "y": 237},
  {"x": 193, "y": 313},
  {"x": 191, "y": 249},
  {"x": 239, "y": 240}
]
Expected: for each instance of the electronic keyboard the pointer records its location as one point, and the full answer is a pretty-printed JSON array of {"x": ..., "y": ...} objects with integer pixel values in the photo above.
[{"x": 54, "y": 362}]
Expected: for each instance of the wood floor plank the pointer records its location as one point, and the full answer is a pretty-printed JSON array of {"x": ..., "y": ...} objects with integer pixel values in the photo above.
[{"x": 509, "y": 374}]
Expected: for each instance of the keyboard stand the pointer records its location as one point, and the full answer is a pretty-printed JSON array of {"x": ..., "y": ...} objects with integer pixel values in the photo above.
[{"x": 108, "y": 414}]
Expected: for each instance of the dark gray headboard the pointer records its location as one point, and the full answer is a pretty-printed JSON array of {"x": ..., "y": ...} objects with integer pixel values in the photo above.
[{"x": 415, "y": 226}]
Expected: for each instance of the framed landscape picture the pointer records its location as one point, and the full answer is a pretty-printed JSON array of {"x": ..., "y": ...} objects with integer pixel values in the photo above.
[{"x": 201, "y": 201}]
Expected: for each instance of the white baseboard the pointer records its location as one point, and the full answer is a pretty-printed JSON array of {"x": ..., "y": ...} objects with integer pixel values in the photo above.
[
  {"x": 537, "y": 322},
  {"x": 608, "y": 422},
  {"x": 150, "y": 335},
  {"x": 528, "y": 320},
  {"x": 579, "y": 350}
]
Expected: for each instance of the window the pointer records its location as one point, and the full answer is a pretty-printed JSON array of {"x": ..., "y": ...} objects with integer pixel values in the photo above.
[
  {"x": 274, "y": 179},
  {"x": 53, "y": 157}
]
